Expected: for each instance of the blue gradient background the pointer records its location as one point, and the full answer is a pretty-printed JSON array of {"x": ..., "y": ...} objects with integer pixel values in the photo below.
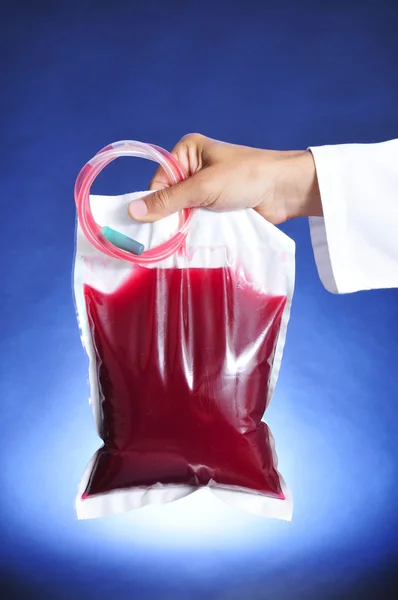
[{"x": 78, "y": 75}]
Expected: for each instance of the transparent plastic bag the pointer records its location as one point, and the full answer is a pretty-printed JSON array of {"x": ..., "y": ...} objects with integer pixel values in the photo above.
[{"x": 184, "y": 344}]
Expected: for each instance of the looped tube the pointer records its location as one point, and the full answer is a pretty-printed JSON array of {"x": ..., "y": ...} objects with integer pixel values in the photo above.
[{"x": 91, "y": 229}]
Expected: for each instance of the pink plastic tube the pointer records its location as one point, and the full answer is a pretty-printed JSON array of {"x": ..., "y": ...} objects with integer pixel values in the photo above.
[{"x": 92, "y": 230}]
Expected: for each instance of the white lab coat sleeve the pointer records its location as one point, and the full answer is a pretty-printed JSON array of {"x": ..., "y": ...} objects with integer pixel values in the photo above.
[{"x": 356, "y": 241}]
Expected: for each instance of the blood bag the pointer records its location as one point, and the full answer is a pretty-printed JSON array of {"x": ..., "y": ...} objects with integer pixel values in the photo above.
[{"x": 184, "y": 323}]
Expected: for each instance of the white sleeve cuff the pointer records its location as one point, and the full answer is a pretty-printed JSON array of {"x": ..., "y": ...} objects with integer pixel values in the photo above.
[{"x": 356, "y": 241}]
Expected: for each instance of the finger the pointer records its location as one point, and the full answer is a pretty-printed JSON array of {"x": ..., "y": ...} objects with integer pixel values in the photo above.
[
  {"x": 192, "y": 192},
  {"x": 188, "y": 153},
  {"x": 160, "y": 180}
]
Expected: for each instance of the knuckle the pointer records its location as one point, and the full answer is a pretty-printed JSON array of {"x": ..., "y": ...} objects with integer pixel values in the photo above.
[
  {"x": 193, "y": 138},
  {"x": 161, "y": 201},
  {"x": 206, "y": 191}
]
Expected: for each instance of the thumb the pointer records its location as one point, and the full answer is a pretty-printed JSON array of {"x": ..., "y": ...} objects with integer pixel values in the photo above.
[{"x": 168, "y": 200}]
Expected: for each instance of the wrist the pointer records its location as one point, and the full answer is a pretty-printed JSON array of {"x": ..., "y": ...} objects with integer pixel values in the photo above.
[{"x": 301, "y": 195}]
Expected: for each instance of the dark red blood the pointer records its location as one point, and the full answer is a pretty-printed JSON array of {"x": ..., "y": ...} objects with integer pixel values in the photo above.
[{"x": 184, "y": 359}]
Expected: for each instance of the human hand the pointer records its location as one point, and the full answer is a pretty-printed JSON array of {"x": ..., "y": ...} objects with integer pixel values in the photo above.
[{"x": 221, "y": 177}]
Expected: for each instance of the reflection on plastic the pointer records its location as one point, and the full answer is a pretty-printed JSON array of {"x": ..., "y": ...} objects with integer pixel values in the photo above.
[{"x": 184, "y": 359}]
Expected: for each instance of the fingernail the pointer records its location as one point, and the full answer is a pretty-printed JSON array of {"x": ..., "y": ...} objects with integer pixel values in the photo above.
[{"x": 138, "y": 209}]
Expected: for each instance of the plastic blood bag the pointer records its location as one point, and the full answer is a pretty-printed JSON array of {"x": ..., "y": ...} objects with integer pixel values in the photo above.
[{"x": 185, "y": 342}]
